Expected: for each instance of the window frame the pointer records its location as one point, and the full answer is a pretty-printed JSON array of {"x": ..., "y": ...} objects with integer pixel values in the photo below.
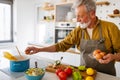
[{"x": 9, "y": 2}]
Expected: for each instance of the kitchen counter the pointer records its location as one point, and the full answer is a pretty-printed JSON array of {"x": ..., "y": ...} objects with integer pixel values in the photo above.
[{"x": 51, "y": 76}]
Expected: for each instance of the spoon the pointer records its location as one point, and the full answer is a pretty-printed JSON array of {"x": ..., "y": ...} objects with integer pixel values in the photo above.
[{"x": 19, "y": 52}]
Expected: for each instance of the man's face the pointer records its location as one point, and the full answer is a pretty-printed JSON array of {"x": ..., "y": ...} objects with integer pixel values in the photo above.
[
  {"x": 82, "y": 14},
  {"x": 83, "y": 17}
]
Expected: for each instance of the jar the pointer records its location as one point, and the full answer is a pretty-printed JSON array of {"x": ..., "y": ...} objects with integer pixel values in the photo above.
[{"x": 116, "y": 11}]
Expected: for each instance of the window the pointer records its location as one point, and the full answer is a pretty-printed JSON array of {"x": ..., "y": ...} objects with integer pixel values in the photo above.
[{"x": 6, "y": 21}]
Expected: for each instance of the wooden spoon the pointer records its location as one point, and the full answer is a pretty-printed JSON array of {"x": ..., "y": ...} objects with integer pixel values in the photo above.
[{"x": 19, "y": 52}]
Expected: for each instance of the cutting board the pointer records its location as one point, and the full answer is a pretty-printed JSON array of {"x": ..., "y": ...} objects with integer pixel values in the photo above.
[
  {"x": 63, "y": 66},
  {"x": 50, "y": 68}
]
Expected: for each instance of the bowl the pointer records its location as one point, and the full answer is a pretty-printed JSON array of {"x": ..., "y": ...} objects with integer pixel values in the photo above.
[{"x": 34, "y": 73}]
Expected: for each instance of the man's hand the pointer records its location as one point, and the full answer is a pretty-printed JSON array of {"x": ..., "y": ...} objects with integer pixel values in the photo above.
[
  {"x": 107, "y": 58},
  {"x": 31, "y": 50}
]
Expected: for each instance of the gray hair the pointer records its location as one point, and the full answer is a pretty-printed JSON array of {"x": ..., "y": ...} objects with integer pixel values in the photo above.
[{"x": 90, "y": 4}]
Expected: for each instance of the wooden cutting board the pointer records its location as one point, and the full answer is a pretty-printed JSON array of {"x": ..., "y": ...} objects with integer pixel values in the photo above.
[
  {"x": 51, "y": 69},
  {"x": 63, "y": 66}
]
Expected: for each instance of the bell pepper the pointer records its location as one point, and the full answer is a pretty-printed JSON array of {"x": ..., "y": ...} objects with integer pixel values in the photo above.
[
  {"x": 77, "y": 75},
  {"x": 81, "y": 68}
]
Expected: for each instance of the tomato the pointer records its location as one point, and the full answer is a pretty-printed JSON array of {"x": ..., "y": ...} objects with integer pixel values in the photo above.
[
  {"x": 68, "y": 71},
  {"x": 62, "y": 75},
  {"x": 58, "y": 70}
]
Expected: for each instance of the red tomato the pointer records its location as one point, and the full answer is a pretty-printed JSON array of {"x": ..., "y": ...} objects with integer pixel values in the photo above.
[
  {"x": 68, "y": 71},
  {"x": 57, "y": 71},
  {"x": 62, "y": 75}
]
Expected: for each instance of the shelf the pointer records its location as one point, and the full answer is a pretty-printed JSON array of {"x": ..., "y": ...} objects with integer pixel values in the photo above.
[
  {"x": 64, "y": 28},
  {"x": 103, "y": 3},
  {"x": 48, "y": 8},
  {"x": 114, "y": 15},
  {"x": 97, "y": 3},
  {"x": 65, "y": 3},
  {"x": 46, "y": 20}
]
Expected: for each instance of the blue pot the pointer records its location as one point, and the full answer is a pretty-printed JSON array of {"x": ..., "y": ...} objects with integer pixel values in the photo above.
[{"x": 20, "y": 65}]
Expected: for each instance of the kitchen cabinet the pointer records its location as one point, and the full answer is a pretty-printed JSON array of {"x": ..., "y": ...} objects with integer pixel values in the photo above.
[
  {"x": 44, "y": 25},
  {"x": 63, "y": 12},
  {"x": 53, "y": 21},
  {"x": 63, "y": 20}
]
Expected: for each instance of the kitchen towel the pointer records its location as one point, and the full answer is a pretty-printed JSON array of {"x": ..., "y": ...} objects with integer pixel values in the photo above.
[{"x": 12, "y": 74}]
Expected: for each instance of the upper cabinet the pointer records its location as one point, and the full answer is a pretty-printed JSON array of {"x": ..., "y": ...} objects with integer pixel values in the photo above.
[{"x": 63, "y": 12}]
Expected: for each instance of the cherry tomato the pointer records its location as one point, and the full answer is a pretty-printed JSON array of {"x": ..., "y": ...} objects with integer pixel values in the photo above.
[
  {"x": 62, "y": 75},
  {"x": 68, "y": 71},
  {"x": 57, "y": 71}
]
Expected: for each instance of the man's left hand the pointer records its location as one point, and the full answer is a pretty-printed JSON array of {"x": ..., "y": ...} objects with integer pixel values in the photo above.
[{"x": 107, "y": 58}]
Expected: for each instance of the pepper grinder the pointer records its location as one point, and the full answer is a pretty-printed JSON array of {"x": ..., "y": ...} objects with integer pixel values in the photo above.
[{"x": 36, "y": 65}]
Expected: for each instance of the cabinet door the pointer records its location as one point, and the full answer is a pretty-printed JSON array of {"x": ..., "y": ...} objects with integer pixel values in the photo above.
[
  {"x": 44, "y": 30},
  {"x": 62, "y": 11},
  {"x": 60, "y": 34},
  {"x": 46, "y": 33}
]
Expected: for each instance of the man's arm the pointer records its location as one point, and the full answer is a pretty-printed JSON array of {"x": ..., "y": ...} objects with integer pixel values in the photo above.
[
  {"x": 48, "y": 49},
  {"x": 33, "y": 50}
]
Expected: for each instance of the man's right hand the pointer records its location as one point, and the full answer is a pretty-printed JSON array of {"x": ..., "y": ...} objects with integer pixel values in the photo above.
[{"x": 31, "y": 50}]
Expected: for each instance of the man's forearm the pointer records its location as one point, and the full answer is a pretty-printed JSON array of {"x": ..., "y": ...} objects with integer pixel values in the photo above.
[{"x": 48, "y": 49}]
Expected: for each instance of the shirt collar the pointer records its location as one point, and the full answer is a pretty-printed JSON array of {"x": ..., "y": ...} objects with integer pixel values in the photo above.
[{"x": 97, "y": 22}]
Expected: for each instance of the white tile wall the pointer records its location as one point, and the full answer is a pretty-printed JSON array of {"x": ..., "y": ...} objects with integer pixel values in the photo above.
[{"x": 103, "y": 11}]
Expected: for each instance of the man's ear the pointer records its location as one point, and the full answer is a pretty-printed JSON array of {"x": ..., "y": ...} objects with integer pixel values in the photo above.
[{"x": 92, "y": 14}]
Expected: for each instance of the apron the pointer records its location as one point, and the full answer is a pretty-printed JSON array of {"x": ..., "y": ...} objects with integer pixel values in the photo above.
[{"x": 87, "y": 47}]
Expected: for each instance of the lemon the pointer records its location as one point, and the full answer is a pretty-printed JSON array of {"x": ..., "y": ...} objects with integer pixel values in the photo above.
[
  {"x": 90, "y": 71},
  {"x": 89, "y": 78}
]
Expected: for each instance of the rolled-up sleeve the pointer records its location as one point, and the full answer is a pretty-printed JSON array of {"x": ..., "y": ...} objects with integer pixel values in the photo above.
[
  {"x": 115, "y": 37},
  {"x": 70, "y": 40}
]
